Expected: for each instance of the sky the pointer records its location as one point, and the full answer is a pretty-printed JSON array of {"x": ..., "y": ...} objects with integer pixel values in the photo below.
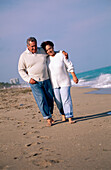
[{"x": 80, "y": 27}]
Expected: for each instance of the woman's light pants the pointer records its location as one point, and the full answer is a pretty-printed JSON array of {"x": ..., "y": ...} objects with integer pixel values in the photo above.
[{"x": 63, "y": 101}]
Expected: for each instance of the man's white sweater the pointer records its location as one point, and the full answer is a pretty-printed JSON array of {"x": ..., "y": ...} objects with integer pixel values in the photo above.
[{"x": 33, "y": 65}]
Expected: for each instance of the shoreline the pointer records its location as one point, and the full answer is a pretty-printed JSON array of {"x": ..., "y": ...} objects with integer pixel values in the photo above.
[
  {"x": 93, "y": 90},
  {"x": 100, "y": 91},
  {"x": 26, "y": 142}
]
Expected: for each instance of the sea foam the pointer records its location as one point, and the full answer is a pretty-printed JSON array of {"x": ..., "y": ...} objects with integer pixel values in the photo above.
[{"x": 102, "y": 81}]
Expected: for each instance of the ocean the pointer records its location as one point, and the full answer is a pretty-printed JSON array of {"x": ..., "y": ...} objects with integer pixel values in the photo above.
[{"x": 98, "y": 78}]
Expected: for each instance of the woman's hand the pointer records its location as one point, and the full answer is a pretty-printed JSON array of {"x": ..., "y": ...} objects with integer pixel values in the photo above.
[{"x": 75, "y": 79}]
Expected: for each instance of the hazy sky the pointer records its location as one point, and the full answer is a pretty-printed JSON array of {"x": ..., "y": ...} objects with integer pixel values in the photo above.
[{"x": 80, "y": 27}]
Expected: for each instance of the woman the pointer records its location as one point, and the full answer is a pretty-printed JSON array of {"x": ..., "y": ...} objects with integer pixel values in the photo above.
[{"x": 59, "y": 67}]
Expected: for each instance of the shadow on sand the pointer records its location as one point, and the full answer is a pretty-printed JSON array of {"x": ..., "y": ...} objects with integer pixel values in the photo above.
[
  {"x": 84, "y": 118},
  {"x": 94, "y": 116}
]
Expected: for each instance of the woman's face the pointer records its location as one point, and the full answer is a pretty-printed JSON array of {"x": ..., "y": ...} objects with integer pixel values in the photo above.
[{"x": 50, "y": 50}]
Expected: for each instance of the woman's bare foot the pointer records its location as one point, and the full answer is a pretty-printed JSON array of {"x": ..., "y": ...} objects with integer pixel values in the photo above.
[
  {"x": 71, "y": 121},
  {"x": 49, "y": 122},
  {"x": 63, "y": 118}
]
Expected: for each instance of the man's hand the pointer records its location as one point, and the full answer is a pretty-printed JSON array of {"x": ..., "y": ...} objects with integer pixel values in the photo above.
[
  {"x": 32, "y": 81},
  {"x": 66, "y": 54}
]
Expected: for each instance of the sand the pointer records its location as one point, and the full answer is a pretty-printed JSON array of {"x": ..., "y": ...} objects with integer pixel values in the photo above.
[{"x": 27, "y": 144}]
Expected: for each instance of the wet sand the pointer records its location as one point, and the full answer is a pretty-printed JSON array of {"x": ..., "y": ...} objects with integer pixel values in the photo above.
[{"x": 27, "y": 144}]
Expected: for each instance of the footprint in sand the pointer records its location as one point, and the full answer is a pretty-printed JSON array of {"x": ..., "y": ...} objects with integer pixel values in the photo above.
[
  {"x": 32, "y": 155},
  {"x": 16, "y": 158},
  {"x": 44, "y": 137},
  {"x": 5, "y": 167},
  {"x": 44, "y": 149},
  {"x": 33, "y": 116},
  {"x": 32, "y": 144},
  {"x": 47, "y": 150},
  {"x": 45, "y": 163},
  {"x": 21, "y": 124},
  {"x": 29, "y": 133}
]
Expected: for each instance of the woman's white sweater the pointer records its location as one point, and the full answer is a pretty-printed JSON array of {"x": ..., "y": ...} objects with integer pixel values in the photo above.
[{"x": 58, "y": 68}]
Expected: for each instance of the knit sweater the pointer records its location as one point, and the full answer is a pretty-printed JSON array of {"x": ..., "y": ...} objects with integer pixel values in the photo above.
[
  {"x": 58, "y": 68},
  {"x": 33, "y": 65}
]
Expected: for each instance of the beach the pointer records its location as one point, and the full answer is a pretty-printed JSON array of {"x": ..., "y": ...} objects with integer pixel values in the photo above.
[{"x": 27, "y": 144}]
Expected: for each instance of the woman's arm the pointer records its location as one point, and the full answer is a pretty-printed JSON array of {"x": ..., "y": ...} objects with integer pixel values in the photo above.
[
  {"x": 70, "y": 68},
  {"x": 75, "y": 79}
]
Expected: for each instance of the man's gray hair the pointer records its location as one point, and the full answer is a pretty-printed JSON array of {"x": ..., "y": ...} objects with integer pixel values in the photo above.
[{"x": 32, "y": 39}]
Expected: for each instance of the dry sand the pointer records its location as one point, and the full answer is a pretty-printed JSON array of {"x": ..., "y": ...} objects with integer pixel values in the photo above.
[{"x": 27, "y": 144}]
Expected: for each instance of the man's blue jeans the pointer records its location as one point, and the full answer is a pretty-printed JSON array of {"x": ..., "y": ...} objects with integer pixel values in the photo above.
[
  {"x": 43, "y": 94},
  {"x": 63, "y": 100}
]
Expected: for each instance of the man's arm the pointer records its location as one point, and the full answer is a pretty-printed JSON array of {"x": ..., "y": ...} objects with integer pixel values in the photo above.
[
  {"x": 66, "y": 54},
  {"x": 22, "y": 70},
  {"x": 32, "y": 81}
]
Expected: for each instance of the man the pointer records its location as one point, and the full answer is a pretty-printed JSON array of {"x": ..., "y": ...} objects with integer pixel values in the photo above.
[{"x": 32, "y": 68}]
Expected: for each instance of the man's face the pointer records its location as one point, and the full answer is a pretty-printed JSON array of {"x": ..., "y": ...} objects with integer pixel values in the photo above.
[{"x": 32, "y": 47}]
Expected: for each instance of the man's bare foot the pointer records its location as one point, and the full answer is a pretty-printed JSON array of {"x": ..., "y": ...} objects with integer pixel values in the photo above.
[
  {"x": 71, "y": 121},
  {"x": 63, "y": 118},
  {"x": 49, "y": 122},
  {"x": 52, "y": 120}
]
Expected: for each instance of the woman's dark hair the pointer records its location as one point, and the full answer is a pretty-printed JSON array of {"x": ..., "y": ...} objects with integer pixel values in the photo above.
[{"x": 43, "y": 45}]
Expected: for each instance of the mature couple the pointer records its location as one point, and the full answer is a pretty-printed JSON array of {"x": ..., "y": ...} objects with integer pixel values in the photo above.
[{"x": 47, "y": 73}]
